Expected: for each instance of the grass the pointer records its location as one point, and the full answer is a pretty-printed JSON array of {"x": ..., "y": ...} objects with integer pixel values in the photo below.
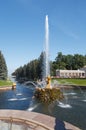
[
  {"x": 78, "y": 82},
  {"x": 4, "y": 83}
]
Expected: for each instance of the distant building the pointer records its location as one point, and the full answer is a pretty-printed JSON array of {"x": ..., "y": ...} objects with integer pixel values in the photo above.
[
  {"x": 84, "y": 68},
  {"x": 71, "y": 73}
]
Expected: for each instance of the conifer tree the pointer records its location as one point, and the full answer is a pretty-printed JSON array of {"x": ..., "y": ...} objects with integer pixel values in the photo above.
[{"x": 3, "y": 67}]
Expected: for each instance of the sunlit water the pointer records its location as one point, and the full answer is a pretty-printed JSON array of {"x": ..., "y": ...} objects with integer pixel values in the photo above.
[{"x": 72, "y": 109}]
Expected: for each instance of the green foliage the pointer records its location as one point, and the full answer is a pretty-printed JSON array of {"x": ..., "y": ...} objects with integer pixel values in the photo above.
[
  {"x": 3, "y": 68},
  {"x": 70, "y": 62},
  {"x": 31, "y": 71},
  {"x": 47, "y": 95},
  {"x": 34, "y": 69}
]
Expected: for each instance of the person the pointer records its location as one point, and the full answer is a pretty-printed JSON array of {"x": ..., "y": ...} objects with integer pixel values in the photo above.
[{"x": 59, "y": 125}]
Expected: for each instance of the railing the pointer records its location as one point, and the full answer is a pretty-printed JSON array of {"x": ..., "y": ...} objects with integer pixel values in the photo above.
[{"x": 10, "y": 123}]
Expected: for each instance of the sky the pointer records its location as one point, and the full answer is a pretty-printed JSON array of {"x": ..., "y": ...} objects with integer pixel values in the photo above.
[{"x": 22, "y": 29}]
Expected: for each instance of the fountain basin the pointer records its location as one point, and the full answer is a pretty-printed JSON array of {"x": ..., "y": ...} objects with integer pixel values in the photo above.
[{"x": 16, "y": 119}]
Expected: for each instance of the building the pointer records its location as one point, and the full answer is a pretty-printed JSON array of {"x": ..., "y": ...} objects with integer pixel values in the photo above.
[
  {"x": 71, "y": 73},
  {"x": 84, "y": 68}
]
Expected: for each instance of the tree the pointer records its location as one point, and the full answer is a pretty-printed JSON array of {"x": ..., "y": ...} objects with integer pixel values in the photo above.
[
  {"x": 78, "y": 61},
  {"x": 69, "y": 62},
  {"x": 54, "y": 66},
  {"x": 41, "y": 70},
  {"x": 3, "y": 67},
  {"x": 31, "y": 71},
  {"x": 60, "y": 61}
]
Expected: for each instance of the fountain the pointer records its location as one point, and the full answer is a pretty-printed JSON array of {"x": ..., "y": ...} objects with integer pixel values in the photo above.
[
  {"x": 23, "y": 100},
  {"x": 47, "y": 94},
  {"x": 46, "y": 65}
]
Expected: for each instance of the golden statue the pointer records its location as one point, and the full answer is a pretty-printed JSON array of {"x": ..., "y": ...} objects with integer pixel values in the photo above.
[{"x": 48, "y": 81}]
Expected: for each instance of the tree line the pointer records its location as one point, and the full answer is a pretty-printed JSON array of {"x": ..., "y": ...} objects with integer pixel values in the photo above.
[
  {"x": 68, "y": 62},
  {"x": 34, "y": 69},
  {"x": 3, "y": 68},
  {"x": 31, "y": 70}
]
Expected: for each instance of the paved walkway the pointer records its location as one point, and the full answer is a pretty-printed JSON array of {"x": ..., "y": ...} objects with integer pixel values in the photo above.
[{"x": 38, "y": 121}]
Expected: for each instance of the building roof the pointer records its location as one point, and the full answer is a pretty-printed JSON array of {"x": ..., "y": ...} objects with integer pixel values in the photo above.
[{"x": 75, "y": 71}]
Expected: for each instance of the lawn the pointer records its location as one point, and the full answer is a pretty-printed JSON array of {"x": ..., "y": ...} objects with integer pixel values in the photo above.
[
  {"x": 5, "y": 83},
  {"x": 78, "y": 82}
]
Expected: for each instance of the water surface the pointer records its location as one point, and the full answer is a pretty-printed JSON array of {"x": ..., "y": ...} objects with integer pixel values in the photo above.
[{"x": 72, "y": 109}]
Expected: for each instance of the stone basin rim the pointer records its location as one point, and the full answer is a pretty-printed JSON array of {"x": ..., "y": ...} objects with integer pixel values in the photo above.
[{"x": 42, "y": 120}]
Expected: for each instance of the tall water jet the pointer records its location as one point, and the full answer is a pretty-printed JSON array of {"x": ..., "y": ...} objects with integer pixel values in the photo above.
[
  {"x": 46, "y": 64},
  {"x": 47, "y": 47}
]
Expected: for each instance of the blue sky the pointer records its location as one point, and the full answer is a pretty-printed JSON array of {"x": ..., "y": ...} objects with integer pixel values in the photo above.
[{"x": 22, "y": 29}]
